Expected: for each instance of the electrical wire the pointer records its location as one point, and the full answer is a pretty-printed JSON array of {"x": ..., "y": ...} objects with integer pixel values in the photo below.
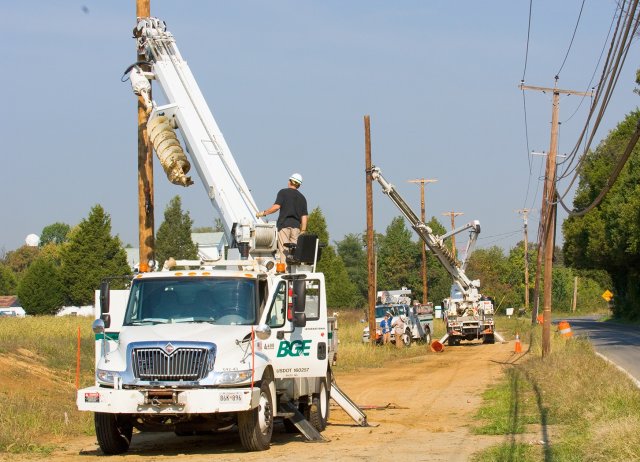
[
  {"x": 612, "y": 178},
  {"x": 624, "y": 42},
  {"x": 571, "y": 42},
  {"x": 595, "y": 70},
  {"x": 526, "y": 53},
  {"x": 524, "y": 99}
]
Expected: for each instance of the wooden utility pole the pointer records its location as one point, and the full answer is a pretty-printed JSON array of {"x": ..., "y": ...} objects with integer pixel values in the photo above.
[
  {"x": 453, "y": 216},
  {"x": 550, "y": 199},
  {"x": 575, "y": 294},
  {"x": 145, "y": 169},
  {"x": 422, "y": 182},
  {"x": 525, "y": 213},
  {"x": 371, "y": 258}
]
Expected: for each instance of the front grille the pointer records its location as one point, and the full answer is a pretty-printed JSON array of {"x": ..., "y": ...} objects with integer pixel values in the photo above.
[{"x": 182, "y": 364}]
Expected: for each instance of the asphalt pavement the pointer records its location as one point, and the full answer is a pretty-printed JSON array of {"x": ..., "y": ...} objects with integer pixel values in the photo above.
[{"x": 616, "y": 342}]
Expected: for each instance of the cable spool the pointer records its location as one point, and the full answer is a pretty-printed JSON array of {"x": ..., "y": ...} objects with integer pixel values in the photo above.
[
  {"x": 169, "y": 152},
  {"x": 266, "y": 236}
]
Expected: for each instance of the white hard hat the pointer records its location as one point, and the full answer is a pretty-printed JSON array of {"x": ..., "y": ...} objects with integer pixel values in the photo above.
[{"x": 296, "y": 178}]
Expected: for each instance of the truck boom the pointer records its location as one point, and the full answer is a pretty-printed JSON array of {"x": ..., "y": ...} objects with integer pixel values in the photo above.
[
  {"x": 188, "y": 111},
  {"x": 467, "y": 313}
]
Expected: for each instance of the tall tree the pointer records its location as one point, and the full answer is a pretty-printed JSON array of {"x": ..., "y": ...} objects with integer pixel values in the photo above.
[
  {"x": 91, "y": 254},
  {"x": 41, "y": 290},
  {"x": 8, "y": 280},
  {"x": 341, "y": 291},
  {"x": 399, "y": 259},
  {"x": 608, "y": 237},
  {"x": 173, "y": 238},
  {"x": 352, "y": 251},
  {"x": 55, "y": 233},
  {"x": 20, "y": 259}
]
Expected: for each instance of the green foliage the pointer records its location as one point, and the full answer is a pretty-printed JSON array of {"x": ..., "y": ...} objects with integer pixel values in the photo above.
[
  {"x": 341, "y": 291},
  {"x": 173, "y": 238},
  {"x": 608, "y": 237},
  {"x": 399, "y": 258},
  {"x": 19, "y": 260},
  {"x": 55, "y": 233},
  {"x": 41, "y": 289},
  {"x": 91, "y": 255},
  {"x": 352, "y": 251},
  {"x": 8, "y": 280}
]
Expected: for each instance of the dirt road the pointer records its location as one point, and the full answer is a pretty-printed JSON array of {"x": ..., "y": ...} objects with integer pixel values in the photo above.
[{"x": 433, "y": 400}]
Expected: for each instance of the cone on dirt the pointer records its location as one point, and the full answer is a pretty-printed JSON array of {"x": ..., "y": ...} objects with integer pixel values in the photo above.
[{"x": 518, "y": 345}]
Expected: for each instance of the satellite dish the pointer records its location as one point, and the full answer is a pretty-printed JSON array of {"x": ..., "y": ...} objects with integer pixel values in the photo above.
[{"x": 32, "y": 240}]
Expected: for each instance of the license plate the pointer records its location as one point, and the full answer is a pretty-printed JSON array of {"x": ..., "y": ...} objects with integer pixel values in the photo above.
[
  {"x": 92, "y": 397},
  {"x": 230, "y": 397}
]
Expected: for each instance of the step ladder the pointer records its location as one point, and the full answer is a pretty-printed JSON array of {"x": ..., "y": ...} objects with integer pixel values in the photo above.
[
  {"x": 292, "y": 413},
  {"x": 348, "y": 406}
]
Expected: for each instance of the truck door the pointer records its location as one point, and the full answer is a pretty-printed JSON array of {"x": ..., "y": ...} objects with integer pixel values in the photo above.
[{"x": 297, "y": 351}]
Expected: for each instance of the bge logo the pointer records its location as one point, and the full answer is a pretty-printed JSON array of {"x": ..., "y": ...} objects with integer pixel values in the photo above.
[{"x": 295, "y": 348}]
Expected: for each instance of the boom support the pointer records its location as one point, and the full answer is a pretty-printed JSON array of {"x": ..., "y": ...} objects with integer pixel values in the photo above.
[{"x": 188, "y": 111}]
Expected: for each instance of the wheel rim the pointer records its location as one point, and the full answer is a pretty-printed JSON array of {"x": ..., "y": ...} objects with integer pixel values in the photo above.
[
  {"x": 323, "y": 401},
  {"x": 265, "y": 417}
]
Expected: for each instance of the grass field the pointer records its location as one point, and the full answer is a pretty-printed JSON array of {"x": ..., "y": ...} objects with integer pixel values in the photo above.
[
  {"x": 589, "y": 410},
  {"x": 571, "y": 406}
]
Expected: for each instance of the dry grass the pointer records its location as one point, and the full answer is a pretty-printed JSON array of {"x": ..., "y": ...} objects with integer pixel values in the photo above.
[
  {"x": 37, "y": 383},
  {"x": 354, "y": 354}
]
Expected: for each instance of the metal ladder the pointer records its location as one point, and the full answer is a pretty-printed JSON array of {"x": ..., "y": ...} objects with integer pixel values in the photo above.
[{"x": 348, "y": 406}]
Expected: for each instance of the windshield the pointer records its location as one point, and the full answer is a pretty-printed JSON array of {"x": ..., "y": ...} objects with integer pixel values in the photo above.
[{"x": 226, "y": 301}]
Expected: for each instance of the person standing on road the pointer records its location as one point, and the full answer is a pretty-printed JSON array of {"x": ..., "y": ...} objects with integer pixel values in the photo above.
[
  {"x": 292, "y": 220},
  {"x": 399, "y": 326},
  {"x": 385, "y": 327}
]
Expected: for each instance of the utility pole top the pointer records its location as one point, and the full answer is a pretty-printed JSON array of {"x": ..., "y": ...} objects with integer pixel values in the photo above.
[
  {"x": 452, "y": 214},
  {"x": 423, "y": 180},
  {"x": 555, "y": 90},
  {"x": 525, "y": 214}
]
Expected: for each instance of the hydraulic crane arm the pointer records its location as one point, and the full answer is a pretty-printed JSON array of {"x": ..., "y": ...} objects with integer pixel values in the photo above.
[
  {"x": 435, "y": 243},
  {"x": 188, "y": 111}
]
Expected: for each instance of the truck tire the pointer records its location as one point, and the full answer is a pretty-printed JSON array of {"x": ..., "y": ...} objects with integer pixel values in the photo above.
[
  {"x": 256, "y": 425},
  {"x": 113, "y": 432},
  {"x": 407, "y": 338},
  {"x": 489, "y": 338},
  {"x": 318, "y": 412}
]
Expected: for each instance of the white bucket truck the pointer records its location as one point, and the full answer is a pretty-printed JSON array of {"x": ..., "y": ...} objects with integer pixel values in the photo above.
[{"x": 237, "y": 341}]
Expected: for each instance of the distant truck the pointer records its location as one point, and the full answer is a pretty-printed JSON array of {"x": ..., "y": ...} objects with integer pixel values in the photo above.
[{"x": 418, "y": 318}]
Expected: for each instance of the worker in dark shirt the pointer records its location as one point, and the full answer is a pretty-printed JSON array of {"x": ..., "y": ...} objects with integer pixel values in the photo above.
[{"x": 292, "y": 219}]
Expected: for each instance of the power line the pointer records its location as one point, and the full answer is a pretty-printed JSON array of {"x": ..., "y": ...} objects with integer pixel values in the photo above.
[
  {"x": 623, "y": 42},
  {"x": 526, "y": 53},
  {"x": 571, "y": 42}
]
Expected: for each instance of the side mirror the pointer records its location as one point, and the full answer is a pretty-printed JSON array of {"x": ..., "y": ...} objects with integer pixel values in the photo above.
[
  {"x": 98, "y": 326},
  {"x": 104, "y": 297},
  {"x": 300, "y": 295},
  {"x": 299, "y": 319},
  {"x": 106, "y": 318},
  {"x": 263, "y": 331}
]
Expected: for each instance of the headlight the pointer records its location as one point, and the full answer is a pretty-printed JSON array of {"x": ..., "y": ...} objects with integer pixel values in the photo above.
[
  {"x": 107, "y": 377},
  {"x": 231, "y": 377}
]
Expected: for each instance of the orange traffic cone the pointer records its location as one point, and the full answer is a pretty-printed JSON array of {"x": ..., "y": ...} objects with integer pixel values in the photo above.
[{"x": 518, "y": 345}]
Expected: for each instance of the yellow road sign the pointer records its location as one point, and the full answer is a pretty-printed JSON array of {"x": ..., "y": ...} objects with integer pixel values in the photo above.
[{"x": 607, "y": 295}]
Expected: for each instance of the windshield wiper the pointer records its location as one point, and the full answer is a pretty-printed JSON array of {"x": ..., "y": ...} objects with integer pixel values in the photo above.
[{"x": 149, "y": 321}]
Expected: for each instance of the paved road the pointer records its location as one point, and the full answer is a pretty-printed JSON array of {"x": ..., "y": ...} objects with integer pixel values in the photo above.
[{"x": 620, "y": 343}]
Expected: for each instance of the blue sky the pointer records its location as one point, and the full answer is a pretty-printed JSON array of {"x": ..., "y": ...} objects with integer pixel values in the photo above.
[{"x": 289, "y": 83}]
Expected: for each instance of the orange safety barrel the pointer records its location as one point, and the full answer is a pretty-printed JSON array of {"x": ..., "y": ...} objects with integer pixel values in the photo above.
[
  {"x": 565, "y": 329},
  {"x": 437, "y": 346}
]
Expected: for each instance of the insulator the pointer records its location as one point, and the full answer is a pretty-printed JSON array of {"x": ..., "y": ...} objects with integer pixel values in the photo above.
[{"x": 172, "y": 158}]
